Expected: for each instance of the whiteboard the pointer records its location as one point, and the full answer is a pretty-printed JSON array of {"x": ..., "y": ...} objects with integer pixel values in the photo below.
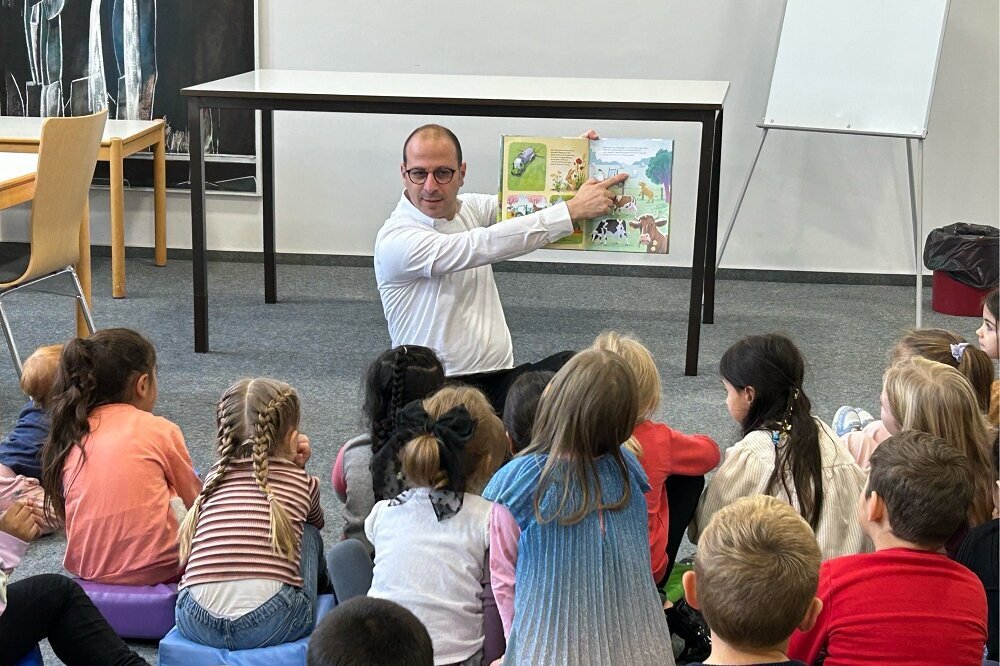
[{"x": 856, "y": 66}]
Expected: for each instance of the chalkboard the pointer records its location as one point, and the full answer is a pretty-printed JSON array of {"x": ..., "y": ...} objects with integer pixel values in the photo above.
[{"x": 856, "y": 66}]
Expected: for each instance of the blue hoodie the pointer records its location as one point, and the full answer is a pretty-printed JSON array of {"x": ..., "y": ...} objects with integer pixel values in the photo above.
[{"x": 22, "y": 447}]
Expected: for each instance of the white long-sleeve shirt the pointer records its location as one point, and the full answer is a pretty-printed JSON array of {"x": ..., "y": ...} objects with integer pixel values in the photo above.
[{"x": 436, "y": 280}]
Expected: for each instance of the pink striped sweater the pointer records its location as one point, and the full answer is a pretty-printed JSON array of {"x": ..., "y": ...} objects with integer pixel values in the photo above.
[{"x": 232, "y": 539}]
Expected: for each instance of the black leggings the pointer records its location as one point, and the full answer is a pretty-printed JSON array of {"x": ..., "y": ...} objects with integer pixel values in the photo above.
[
  {"x": 55, "y": 607},
  {"x": 495, "y": 384},
  {"x": 683, "y": 493}
]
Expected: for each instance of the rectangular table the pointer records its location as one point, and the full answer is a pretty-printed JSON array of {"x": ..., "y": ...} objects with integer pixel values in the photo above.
[
  {"x": 17, "y": 186},
  {"x": 121, "y": 139},
  {"x": 454, "y": 95}
]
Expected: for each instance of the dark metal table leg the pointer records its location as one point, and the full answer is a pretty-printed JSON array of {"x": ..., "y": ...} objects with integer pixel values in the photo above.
[
  {"x": 267, "y": 174},
  {"x": 712, "y": 241},
  {"x": 199, "y": 261},
  {"x": 700, "y": 234}
]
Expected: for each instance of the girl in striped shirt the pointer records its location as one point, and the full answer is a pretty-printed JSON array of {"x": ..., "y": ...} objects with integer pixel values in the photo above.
[{"x": 251, "y": 541}]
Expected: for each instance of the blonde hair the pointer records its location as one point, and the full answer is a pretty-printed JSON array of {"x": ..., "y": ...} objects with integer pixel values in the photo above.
[
  {"x": 746, "y": 548},
  {"x": 589, "y": 409},
  {"x": 937, "y": 399},
  {"x": 485, "y": 452},
  {"x": 935, "y": 344},
  {"x": 640, "y": 361},
  {"x": 39, "y": 373},
  {"x": 254, "y": 417}
]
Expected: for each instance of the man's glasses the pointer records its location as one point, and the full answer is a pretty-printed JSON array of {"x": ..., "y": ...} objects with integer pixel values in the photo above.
[{"x": 442, "y": 175}]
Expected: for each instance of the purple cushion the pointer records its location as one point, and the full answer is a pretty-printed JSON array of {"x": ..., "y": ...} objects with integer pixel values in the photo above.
[
  {"x": 134, "y": 611},
  {"x": 33, "y": 658}
]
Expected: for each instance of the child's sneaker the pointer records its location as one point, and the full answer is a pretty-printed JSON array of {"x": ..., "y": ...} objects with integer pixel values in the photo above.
[
  {"x": 847, "y": 419},
  {"x": 865, "y": 417}
]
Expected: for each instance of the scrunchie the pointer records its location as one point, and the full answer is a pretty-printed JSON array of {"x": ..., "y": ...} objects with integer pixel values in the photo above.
[{"x": 958, "y": 350}]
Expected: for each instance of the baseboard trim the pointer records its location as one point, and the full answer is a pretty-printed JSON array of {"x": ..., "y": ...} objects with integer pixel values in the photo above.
[{"x": 544, "y": 267}]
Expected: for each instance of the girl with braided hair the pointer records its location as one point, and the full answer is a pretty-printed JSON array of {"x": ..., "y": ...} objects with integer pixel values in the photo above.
[
  {"x": 115, "y": 473},
  {"x": 251, "y": 540},
  {"x": 785, "y": 452},
  {"x": 398, "y": 376}
]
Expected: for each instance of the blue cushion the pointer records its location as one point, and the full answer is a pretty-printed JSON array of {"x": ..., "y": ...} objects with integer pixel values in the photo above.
[
  {"x": 175, "y": 650},
  {"x": 33, "y": 658}
]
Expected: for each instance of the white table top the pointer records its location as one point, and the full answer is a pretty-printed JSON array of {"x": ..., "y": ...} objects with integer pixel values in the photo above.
[
  {"x": 369, "y": 86},
  {"x": 17, "y": 165},
  {"x": 28, "y": 128}
]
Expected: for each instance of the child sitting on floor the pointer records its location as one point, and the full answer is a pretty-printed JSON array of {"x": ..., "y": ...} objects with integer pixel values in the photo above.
[
  {"x": 675, "y": 463},
  {"x": 110, "y": 469},
  {"x": 785, "y": 452},
  {"x": 432, "y": 541},
  {"x": 570, "y": 509},
  {"x": 521, "y": 405},
  {"x": 366, "y": 630},
  {"x": 755, "y": 576},
  {"x": 398, "y": 376},
  {"x": 251, "y": 541},
  {"x": 21, "y": 448},
  {"x": 861, "y": 432},
  {"x": 988, "y": 342},
  {"x": 906, "y": 603}
]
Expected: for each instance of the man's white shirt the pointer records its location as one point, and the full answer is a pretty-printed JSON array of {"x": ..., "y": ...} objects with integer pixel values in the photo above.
[{"x": 436, "y": 282}]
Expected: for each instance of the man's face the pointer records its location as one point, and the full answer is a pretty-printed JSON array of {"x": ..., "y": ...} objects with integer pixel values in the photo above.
[{"x": 428, "y": 153}]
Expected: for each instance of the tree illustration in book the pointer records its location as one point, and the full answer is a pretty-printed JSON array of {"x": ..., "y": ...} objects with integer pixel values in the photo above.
[
  {"x": 541, "y": 171},
  {"x": 132, "y": 57}
]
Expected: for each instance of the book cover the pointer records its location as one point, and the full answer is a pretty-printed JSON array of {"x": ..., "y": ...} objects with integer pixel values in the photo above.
[{"x": 537, "y": 172}]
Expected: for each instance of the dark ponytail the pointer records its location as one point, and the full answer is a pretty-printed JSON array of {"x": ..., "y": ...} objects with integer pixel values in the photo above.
[
  {"x": 774, "y": 367},
  {"x": 398, "y": 376},
  {"x": 94, "y": 371}
]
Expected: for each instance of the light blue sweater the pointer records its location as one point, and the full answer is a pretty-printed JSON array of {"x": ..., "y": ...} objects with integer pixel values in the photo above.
[{"x": 583, "y": 593}]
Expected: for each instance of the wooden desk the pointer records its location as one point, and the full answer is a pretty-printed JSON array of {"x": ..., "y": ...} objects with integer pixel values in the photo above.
[
  {"x": 271, "y": 90},
  {"x": 17, "y": 186},
  {"x": 121, "y": 139}
]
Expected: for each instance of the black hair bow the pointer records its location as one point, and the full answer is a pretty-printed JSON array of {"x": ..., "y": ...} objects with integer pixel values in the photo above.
[{"x": 452, "y": 431}]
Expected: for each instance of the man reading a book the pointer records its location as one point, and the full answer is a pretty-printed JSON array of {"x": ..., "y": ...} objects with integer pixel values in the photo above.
[{"x": 434, "y": 256}]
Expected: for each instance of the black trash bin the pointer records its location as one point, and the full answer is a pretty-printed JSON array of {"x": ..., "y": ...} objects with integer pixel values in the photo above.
[{"x": 965, "y": 259}]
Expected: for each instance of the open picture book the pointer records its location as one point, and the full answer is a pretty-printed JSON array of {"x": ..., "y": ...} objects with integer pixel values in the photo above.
[{"x": 537, "y": 172}]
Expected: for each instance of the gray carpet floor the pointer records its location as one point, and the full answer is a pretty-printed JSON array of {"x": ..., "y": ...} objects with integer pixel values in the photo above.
[{"x": 328, "y": 326}]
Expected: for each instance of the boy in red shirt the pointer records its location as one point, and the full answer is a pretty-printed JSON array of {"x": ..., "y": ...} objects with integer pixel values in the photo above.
[{"x": 906, "y": 603}]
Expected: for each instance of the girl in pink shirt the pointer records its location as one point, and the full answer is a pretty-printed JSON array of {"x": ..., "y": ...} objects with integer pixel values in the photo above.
[
  {"x": 675, "y": 463},
  {"x": 110, "y": 469}
]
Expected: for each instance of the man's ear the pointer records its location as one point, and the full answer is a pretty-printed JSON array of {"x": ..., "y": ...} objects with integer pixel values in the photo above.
[
  {"x": 689, "y": 581},
  {"x": 812, "y": 614},
  {"x": 461, "y": 174}
]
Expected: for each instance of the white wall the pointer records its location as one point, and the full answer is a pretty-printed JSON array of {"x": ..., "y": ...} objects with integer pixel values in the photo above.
[{"x": 836, "y": 202}]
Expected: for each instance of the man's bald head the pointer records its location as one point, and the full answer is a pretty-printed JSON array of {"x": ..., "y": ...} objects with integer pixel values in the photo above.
[{"x": 434, "y": 132}]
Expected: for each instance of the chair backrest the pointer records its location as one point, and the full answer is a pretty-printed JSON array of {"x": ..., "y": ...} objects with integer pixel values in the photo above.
[{"x": 67, "y": 155}]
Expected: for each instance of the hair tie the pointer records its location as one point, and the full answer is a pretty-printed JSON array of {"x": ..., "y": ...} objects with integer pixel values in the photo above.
[{"x": 958, "y": 350}]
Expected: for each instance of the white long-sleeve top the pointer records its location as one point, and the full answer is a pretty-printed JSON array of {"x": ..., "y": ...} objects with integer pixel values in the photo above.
[{"x": 436, "y": 280}]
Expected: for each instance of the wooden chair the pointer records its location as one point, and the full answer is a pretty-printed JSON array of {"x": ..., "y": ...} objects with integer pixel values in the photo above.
[{"x": 67, "y": 155}]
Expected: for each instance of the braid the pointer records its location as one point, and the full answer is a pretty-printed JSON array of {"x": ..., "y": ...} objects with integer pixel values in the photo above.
[
  {"x": 397, "y": 392},
  {"x": 228, "y": 444},
  {"x": 283, "y": 539}
]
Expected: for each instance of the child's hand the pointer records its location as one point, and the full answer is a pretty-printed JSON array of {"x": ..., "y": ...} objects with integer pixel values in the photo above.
[
  {"x": 19, "y": 522},
  {"x": 303, "y": 451}
]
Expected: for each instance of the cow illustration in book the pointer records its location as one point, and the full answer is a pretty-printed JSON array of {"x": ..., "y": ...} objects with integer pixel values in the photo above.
[
  {"x": 645, "y": 192},
  {"x": 521, "y": 161},
  {"x": 623, "y": 203},
  {"x": 649, "y": 234},
  {"x": 611, "y": 227}
]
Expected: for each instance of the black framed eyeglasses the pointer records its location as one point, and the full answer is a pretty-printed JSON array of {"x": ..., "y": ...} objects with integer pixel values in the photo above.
[{"x": 442, "y": 175}]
